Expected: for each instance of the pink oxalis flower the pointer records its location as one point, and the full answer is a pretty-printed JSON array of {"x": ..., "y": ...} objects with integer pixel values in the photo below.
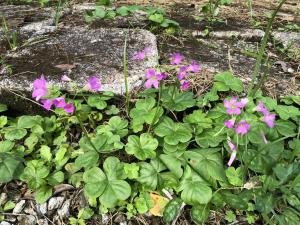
[
  {"x": 47, "y": 103},
  {"x": 94, "y": 83},
  {"x": 184, "y": 85},
  {"x": 229, "y": 123},
  {"x": 176, "y": 58},
  {"x": 233, "y": 107},
  {"x": 261, "y": 108},
  {"x": 182, "y": 72},
  {"x": 40, "y": 89},
  {"x": 69, "y": 108},
  {"x": 153, "y": 78},
  {"x": 59, "y": 102},
  {"x": 242, "y": 127},
  {"x": 233, "y": 152},
  {"x": 194, "y": 67},
  {"x": 269, "y": 119},
  {"x": 142, "y": 54}
]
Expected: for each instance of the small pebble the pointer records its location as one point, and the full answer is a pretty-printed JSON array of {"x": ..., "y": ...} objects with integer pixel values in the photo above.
[
  {"x": 55, "y": 203},
  {"x": 19, "y": 207},
  {"x": 5, "y": 223},
  {"x": 3, "y": 198},
  {"x": 290, "y": 70},
  {"x": 64, "y": 211}
]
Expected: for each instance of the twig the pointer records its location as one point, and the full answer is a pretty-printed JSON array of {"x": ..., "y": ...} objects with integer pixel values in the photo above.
[
  {"x": 178, "y": 214},
  {"x": 167, "y": 193}
]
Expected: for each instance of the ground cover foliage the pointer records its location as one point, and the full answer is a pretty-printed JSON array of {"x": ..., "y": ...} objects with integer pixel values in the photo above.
[{"x": 209, "y": 152}]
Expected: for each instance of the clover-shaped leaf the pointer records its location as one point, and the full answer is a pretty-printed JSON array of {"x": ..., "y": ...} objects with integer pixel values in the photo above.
[
  {"x": 145, "y": 112},
  {"x": 150, "y": 173},
  {"x": 172, "y": 132},
  {"x": 225, "y": 81},
  {"x": 10, "y": 167},
  {"x": 209, "y": 139},
  {"x": 174, "y": 100},
  {"x": 142, "y": 147},
  {"x": 199, "y": 120},
  {"x": 109, "y": 184},
  {"x": 116, "y": 125},
  {"x": 96, "y": 143}
]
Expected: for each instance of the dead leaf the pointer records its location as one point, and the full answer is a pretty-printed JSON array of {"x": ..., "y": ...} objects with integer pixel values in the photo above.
[
  {"x": 160, "y": 203},
  {"x": 65, "y": 67}
]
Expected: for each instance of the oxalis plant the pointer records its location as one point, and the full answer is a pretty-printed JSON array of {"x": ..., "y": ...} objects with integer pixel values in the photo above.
[{"x": 219, "y": 152}]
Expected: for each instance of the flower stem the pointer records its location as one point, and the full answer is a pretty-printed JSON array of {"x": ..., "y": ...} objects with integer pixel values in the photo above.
[{"x": 125, "y": 75}]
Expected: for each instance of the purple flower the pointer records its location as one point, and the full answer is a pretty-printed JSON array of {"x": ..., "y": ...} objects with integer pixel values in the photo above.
[
  {"x": 232, "y": 106},
  {"x": 242, "y": 127},
  {"x": 261, "y": 108},
  {"x": 194, "y": 67},
  {"x": 66, "y": 78},
  {"x": 229, "y": 123},
  {"x": 47, "y": 103},
  {"x": 243, "y": 103},
  {"x": 59, "y": 102},
  {"x": 176, "y": 58},
  {"x": 142, "y": 54},
  {"x": 153, "y": 78},
  {"x": 182, "y": 72},
  {"x": 40, "y": 89},
  {"x": 269, "y": 119},
  {"x": 161, "y": 76},
  {"x": 184, "y": 85},
  {"x": 69, "y": 108},
  {"x": 94, "y": 83},
  {"x": 233, "y": 152}
]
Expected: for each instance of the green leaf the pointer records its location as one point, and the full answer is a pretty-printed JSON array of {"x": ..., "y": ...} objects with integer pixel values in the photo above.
[
  {"x": 177, "y": 101},
  {"x": 145, "y": 112},
  {"x": 226, "y": 79},
  {"x": 97, "y": 100},
  {"x": 31, "y": 141},
  {"x": 3, "y": 107},
  {"x": 171, "y": 210},
  {"x": 150, "y": 173},
  {"x": 94, "y": 179},
  {"x": 200, "y": 214},
  {"x": 265, "y": 203},
  {"x": 235, "y": 176},
  {"x": 3, "y": 121},
  {"x": 99, "y": 12},
  {"x": 12, "y": 133},
  {"x": 234, "y": 201},
  {"x": 157, "y": 18},
  {"x": 208, "y": 164},
  {"x": 56, "y": 178},
  {"x": 29, "y": 121},
  {"x": 42, "y": 194},
  {"x": 286, "y": 112},
  {"x": 10, "y": 167},
  {"x": 96, "y": 143},
  {"x": 285, "y": 128},
  {"x": 6, "y": 146},
  {"x": 123, "y": 11},
  {"x": 87, "y": 160},
  {"x": 9, "y": 206},
  {"x": 173, "y": 133},
  {"x": 209, "y": 139},
  {"x": 196, "y": 192},
  {"x": 131, "y": 170},
  {"x": 173, "y": 164},
  {"x": 115, "y": 126},
  {"x": 142, "y": 147},
  {"x": 85, "y": 213},
  {"x": 45, "y": 152},
  {"x": 199, "y": 120}
]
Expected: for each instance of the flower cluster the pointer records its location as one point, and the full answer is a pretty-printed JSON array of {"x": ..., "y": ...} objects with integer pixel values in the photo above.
[
  {"x": 176, "y": 59},
  {"x": 268, "y": 118},
  {"x": 234, "y": 107},
  {"x": 40, "y": 91}
]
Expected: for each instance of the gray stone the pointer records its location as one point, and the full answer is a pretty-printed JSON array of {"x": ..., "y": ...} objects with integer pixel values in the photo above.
[
  {"x": 3, "y": 198},
  {"x": 42, "y": 208},
  {"x": 87, "y": 52},
  {"x": 38, "y": 28},
  {"x": 105, "y": 218},
  {"x": 19, "y": 207},
  {"x": 120, "y": 218},
  {"x": 288, "y": 39},
  {"x": 42, "y": 222},
  {"x": 64, "y": 210},
  {"x": 5, "y": 223},
  {"x": 55, "y": 203},
  {"x": 26, "y": 220}
]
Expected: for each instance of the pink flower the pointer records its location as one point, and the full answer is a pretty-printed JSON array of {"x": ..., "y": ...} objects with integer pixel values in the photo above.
[
  {"x": 229, "y": 123},
  {"x": 232, "y": 106},
  {"x": 269, "y": 119},
  {"x": 161, "y": 76},
  {"x": 66, "y": 78},
  {"x": 261, "y": 108},
  {"x": 242, "y": 127},
  {"x": 176, "y": 58},
  {"x": 94, "y": 83},
  {"x": 69, "y": 108},
  {"x": 59, "y": 102},
  {"x": 243, "y": 103},
  {"x": 184, "y": 85},
  {"x": 233, "y": 152},
  {"x": 194, "y": 67},
  {"x": 47, "y": 103},
  {"x": 153, "y": 78},
  {"x": 142, "y": 54},
  {"x": 182, "y": 72},
  {"x": 40, "y": 89}
]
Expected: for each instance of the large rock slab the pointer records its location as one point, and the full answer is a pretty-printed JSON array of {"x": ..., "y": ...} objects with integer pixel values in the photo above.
[{"x": 80, "y": 52}]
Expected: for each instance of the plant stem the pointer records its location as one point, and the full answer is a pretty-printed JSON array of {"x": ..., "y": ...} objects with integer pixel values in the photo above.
[
  {"x": 125, "y": 75},
  {"x": 259, "y": 58}
]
